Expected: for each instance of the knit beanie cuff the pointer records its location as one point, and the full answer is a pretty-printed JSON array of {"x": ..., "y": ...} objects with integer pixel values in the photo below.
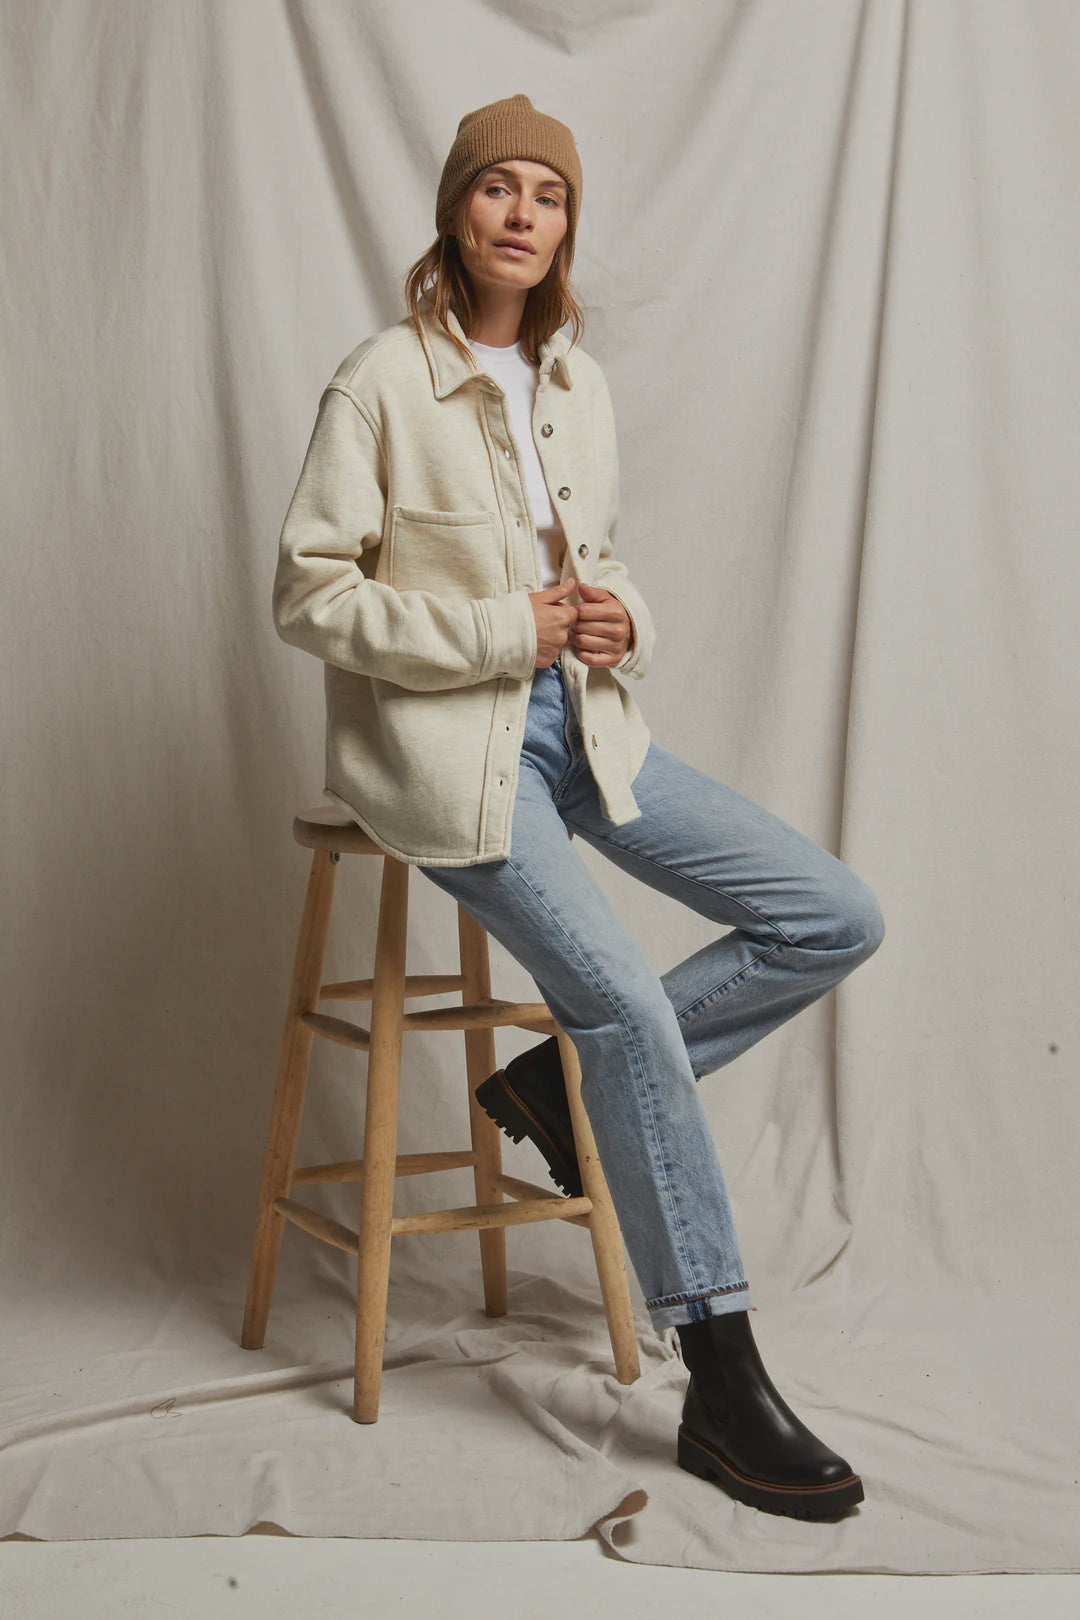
[{"x": 506, "y": 129}]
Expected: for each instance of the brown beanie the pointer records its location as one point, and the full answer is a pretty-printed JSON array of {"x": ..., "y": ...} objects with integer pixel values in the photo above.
[{"x": 506, "y": 129}]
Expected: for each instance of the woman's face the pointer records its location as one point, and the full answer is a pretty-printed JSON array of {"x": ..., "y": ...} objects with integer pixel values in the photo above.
[{"x": 516, "y": 201}]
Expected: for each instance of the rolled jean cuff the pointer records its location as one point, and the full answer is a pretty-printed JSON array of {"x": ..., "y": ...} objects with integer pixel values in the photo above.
[{"x": 676, "y": 1310}]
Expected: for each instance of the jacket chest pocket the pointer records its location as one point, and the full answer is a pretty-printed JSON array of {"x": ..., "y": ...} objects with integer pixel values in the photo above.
[{"x": 450, "y": 553}]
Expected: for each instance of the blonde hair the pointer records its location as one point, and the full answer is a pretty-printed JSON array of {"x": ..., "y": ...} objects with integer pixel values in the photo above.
[{"x": 440, "y": 276}]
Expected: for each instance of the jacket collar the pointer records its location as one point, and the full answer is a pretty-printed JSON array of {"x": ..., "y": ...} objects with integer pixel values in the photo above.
[{"x": 450, "y": 368}]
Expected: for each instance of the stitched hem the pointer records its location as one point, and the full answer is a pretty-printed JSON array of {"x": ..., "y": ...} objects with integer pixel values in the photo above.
[
  {"x": 687, "y": 1308},
  {"x": 683, "y": 1299}
]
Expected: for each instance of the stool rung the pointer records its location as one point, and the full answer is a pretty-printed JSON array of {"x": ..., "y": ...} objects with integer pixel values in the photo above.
[
  {"x": 416, "y": 984},
  {"x": 493, "y": 1014},
  {"x": 469, "y": 1217},
  {"x": 320, "y": 1226},
  {"x": 338, "y": 1029},
  {"x": 408, "y": 1164},
  {"x": 528, "y": 1189},
  {"x": 472, "y": 1216}
]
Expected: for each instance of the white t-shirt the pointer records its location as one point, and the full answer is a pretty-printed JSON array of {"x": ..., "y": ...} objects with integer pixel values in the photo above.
[{"x": 514, "y": 373}]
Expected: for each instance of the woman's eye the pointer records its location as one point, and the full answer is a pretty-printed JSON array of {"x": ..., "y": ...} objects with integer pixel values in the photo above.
[{"x": 489, "y": 190}]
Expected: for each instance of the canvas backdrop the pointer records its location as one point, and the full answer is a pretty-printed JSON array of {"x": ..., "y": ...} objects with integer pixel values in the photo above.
[{"x": 828, "y": 254}]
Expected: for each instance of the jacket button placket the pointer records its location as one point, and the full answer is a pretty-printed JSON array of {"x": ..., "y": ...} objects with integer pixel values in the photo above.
[{"x": 514, "y": 502}]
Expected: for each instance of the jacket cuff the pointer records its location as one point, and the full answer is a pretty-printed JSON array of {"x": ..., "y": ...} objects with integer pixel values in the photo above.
[
  {"x": 511, "y": 636},
  {"x": 634, "y": 661}
]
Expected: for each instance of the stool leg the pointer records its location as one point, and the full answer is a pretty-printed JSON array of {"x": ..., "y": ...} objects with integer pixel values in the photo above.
[
  {"x": 288, "y": 1102},
  {"x": 380, "y": 1138},
  {"x": 604, "y": 1226},
  {"x": 480, "y": 1061}
]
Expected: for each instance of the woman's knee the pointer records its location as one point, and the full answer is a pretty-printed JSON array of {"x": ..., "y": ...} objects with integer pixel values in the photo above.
[
  {"x": 860, "y": 925},
  {"x": 850, "y": 920}
]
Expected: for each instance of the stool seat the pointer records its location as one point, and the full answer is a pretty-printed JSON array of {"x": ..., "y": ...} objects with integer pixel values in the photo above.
[
  {"x": 328, "y": 826},
  {"x": 501, "y": 1200},
  {"x": 326, "y": 815}
]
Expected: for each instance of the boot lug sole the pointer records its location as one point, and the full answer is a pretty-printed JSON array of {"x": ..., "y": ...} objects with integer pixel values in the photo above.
[
  {"x": 828, "y": 1501},
  {"x": 501, "y": 1106}
]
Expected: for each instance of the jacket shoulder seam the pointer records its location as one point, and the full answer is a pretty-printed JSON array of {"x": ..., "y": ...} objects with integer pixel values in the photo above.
[
  {"x": 379, "y": 340},
  {"x": 341, "y": 388}
]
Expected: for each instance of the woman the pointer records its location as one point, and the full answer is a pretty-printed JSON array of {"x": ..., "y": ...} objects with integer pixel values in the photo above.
[{"x": 449, "y": 555}]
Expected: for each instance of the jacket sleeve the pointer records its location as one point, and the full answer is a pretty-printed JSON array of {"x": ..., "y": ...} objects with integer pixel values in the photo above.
[
  {"x": 610, "y": 572},
  {"x": 324, "y": 603}
]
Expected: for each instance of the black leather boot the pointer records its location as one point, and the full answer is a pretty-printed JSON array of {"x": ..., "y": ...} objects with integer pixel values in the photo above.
[
  {"x": 528, "y": 1098},
  {"x": 738, "y": 1431}
]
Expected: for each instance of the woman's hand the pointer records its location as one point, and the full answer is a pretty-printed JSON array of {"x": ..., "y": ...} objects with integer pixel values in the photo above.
[
  {"x": 554, "y": 620},
  {"x": 602, "y": 632}
]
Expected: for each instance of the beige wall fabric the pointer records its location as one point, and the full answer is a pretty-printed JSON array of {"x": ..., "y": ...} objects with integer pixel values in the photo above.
[{"x": 830, "y": 280}]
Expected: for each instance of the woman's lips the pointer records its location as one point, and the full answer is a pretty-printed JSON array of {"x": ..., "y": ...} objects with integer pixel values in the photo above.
[{"x": 505, "y": 247}]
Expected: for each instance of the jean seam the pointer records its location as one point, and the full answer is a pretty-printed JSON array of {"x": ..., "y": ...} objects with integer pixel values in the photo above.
[
  {"x": 562, "y": 786},
  {"x": 718, "y": 989},
  {"x": 711, "y": 888},
  {"x": 627, "y": 1025}
]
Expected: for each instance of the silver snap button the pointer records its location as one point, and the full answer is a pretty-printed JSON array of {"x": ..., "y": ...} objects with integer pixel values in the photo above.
[
  {"x": 547, "y": 430},
  {"x": 506, "y": 453},
  {"x": 583, "y": 551},
  {"x": 594, "y": 741},
  {"x": 564, "y": 493}
]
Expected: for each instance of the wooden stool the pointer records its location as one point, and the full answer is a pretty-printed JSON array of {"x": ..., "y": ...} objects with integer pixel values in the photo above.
[{"x": 330, "y": 833}]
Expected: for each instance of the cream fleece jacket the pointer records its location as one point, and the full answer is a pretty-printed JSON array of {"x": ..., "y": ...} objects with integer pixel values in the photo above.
[{"x": 405, "y": 562}]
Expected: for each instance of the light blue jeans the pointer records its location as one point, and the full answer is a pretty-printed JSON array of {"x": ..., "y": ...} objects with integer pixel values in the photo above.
[{"x": 800, "y": 921}]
